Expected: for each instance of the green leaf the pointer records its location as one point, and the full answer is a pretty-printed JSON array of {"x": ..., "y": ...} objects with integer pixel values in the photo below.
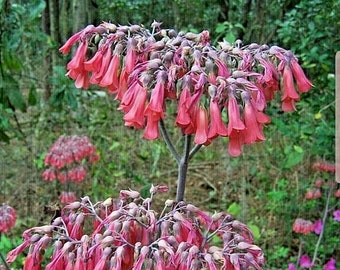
[
  {"x": 230, "y": 37},
  {"x": 255, "y": 230},
  {"x": 293, "y": 156},
  {"x": 32, "y": 96},
  {"x": 16, "y": 99},
  {"x": 234, "y": 209},
  {"x": 11, "y": 62},
  {"x": 36, "y": 9},
  {"x": 220, "y": 28},
  {"x": 298, "y": 149},
  {"x": 4, "y": 138}
]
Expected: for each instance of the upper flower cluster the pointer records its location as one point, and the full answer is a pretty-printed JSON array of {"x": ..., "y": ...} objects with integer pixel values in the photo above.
[
  {"x": 128, "y": 234},
  {"x": 221, "y": 91}
]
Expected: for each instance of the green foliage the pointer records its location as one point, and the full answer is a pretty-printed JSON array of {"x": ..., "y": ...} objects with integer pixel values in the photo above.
[
  {"x": 65, "y": 93},
  {"x": 227, "y": 31},
  {"x": 18, "y": 24},
  {"x": 178, "y": 14}
]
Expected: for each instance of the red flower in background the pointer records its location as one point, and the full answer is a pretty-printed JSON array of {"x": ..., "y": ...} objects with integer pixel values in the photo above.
[
  {"x": 7, "y": 218},
  {"x": 68, "y": 160},
  {"x": 303, "y": 226},
  {"x": 67, "y": 197},
  {"x": 324, "y": 167}
]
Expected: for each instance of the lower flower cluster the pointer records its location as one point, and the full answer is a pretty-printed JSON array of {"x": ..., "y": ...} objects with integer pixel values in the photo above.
[{"x": 127, "y": 233}]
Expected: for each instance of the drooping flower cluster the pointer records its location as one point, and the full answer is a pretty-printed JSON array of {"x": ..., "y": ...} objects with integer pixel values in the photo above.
[
  {"x": 219, "y": 91},
  {"x": 127, "y": 233},
  {"x": 7, "y": 218},
  {"x": 68, "y": 159}
]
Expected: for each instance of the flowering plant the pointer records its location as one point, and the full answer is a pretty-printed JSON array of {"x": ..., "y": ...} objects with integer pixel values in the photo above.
[
  {"x": 219, "y": 91},
  {"x": 68, "y": 160}
]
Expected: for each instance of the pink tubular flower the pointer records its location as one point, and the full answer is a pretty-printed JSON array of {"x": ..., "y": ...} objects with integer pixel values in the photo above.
[
  {"x": 7, "y": 218},
  {"x": 217, "y": 127},
  {"x": 303, "y": 84},
  {"x": 98, "y": 74},
  {"x": 201, "y": 134},
  {"x": 151, "y": 131},
  {"x": 155, "y": 108},
  {"x": 330, "y": 265},
  {"x": 235, "y": 143},
  {"x": 336, "y": 215},
  {"x": 289, "y": 93},
  {"x": 183, "y": 117},
  {"x": 74, "y": 38},
  {"x": 252, "y": 132},
  {"x": 305, "y": 261},
  {"x": 131, "y": 56},
  {"x": 235, "y": 122},
  {"x": 134, "y": 115},
  {"x": 110, "y": 78}
]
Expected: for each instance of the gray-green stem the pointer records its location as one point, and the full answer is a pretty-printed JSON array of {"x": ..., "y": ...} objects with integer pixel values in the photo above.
[{"x": 182, "y": 161}]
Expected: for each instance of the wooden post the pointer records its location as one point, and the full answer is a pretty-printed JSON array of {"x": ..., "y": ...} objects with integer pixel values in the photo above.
[{"x": 337, "y": 117}]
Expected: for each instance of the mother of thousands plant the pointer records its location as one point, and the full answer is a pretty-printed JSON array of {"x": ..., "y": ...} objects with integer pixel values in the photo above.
[{"x": 219, "y": 91}]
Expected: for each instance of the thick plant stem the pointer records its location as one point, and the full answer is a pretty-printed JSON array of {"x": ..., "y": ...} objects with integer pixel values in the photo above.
[
  {"x": 182, "y": 161},
  {"x": 182, "y": 169}
]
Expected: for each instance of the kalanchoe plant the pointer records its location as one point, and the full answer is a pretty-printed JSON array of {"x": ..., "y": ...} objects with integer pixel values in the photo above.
[
  {"x": 68, "y": 160},
  {"x": 219, "y": 91},
  {"x": 127, "y": 233}
]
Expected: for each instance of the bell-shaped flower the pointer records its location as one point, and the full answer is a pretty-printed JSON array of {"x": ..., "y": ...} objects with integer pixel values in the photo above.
[
  {"x": 217, "y": 127},
  {"x": 201, "y": 134},
  {"x": 252, "y": 132},
  {"x": 74, "y": 38},
  {"x": 235, "y": 142},
  {"x": 155, "y": 108},
  {"x": 151, "y": 131},
  {"x": 303, "y": 84},
  {"x": 98, "y": 74},
  {"x": 135, "y": 116},
  {"x": 235, "y": 122},
  {"x": 289, "y": 93}
]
